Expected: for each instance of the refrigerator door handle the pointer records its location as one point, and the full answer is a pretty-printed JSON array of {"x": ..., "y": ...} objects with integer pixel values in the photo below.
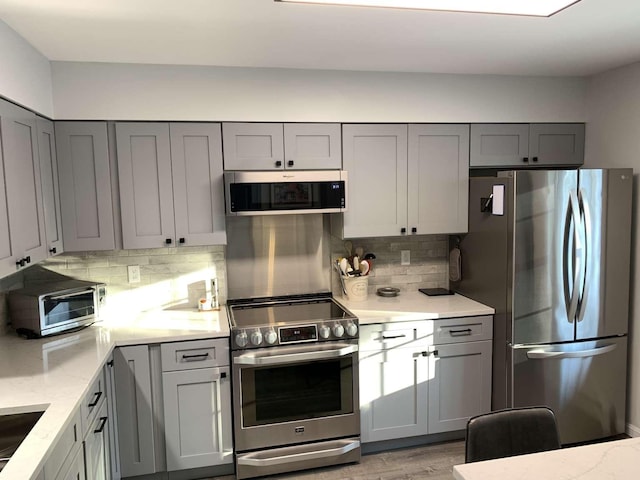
[
  {"x": 540, "y": 354},
  {"x": 587, "y": 230},
  {"x": 572, "y": 214}
]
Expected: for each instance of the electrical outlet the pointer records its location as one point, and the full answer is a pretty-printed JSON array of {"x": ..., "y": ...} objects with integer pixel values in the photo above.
[
  {"x": 405, "y": 257},
  {"x": 133, "y": 272}
]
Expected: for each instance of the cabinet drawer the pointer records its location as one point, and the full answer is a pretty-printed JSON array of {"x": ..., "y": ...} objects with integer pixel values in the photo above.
[
  {"x": 464, "y": 329},
  {"x": 396, "y": 335},
  {"x": 91, "y": 401},
  {"x": 68, "y": 442},
  {"x": 194, "y": 354}
]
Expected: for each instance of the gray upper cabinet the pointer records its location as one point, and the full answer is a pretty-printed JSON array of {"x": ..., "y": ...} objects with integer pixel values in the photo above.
[
  {"x": 438, "y": 176},
  {"x": 526, "y": 145},
  {"x": 277, "y": 146},
  {"x": 171, "y": 188},
  {"x": 22, "y": 190},
  {"x": 406, "y": 179},
  {"x": 50, "y": 186},
  {"x": 85, "y": 186}
]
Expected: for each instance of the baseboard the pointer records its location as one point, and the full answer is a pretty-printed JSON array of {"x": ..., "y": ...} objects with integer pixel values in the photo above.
[{"x": 632, "y": 430}]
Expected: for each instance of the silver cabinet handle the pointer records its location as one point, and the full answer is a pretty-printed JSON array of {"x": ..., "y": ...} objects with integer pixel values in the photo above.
[
  {"x": 391, "y": 337},
  {"x": 543, "y": 354},
  {"x": 294, "y": 356},
  {"x": 299, "y": 457}
]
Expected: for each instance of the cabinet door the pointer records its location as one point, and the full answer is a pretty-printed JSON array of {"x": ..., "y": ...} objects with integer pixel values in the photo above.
[
  {"x": 499, "y": 145},
  {"x": 146, "y": 194},
  {"x": 114, "y": 448},
  {"x": 96, "y": 446},
  {"x": 85, "y": 186},
  {"x": 376, "y": 158},
  {"x": 438, "y": 173},
  {"x": 22, "y": 183},
  {"x": 198, "y": 188},
  {"x": 7, "y": 256},
  {"x": 556, "y": 143},
  {"x": 253, "y": 146},
  {"x": 312, "y": 146},
  {"x": 459, "y": 385},
  {"x": 393, "y": 394},
  {"x": 50, "y": 186},
  {"x": 197, "y": 417},
  {"x": 74, "y": 468},
  {"x": 135, "y": 410}
]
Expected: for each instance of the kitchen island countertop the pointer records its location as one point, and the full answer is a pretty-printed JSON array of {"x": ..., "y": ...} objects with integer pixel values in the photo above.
[
  {"x": 408, "y": 306},
  {"x": 54, "y": 373}
]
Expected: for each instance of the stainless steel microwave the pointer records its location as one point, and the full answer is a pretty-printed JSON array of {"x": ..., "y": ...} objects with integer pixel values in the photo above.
[
  {"x": 285, "y": 192},
  {"x": 54, "y": 307}
]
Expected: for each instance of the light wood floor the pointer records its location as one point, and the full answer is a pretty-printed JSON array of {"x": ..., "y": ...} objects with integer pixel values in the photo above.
[{"x": 432, "y": 462}]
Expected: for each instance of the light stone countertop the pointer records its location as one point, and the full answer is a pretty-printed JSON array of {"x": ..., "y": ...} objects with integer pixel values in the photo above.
[
  {"x": 615, "y": 460},
  {"x": 54, "y": 374},
  {"x": 413, "y": 306}
]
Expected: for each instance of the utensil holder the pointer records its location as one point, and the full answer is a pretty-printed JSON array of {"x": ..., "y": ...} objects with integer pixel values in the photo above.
[{"x": 357, "y": 288}]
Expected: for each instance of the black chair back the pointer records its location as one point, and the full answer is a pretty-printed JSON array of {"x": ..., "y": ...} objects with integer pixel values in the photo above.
[{"x": 505, "y": 433}]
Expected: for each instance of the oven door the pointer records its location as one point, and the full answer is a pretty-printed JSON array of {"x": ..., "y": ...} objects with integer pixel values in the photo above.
[{"x": 295, "y": 394}]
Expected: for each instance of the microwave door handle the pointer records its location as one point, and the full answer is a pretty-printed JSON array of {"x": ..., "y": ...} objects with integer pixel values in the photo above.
[
  {"x": 69, "y": 295},
  {"x": 301, "y": 356}
]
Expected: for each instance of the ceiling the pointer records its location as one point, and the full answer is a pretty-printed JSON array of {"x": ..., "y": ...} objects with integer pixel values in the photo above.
[{"x": 587, "y": 38}]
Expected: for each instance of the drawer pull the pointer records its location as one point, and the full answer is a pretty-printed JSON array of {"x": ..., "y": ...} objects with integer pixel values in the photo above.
[
  {"x": 392, "y": 337},
  {"x": 426, "y": 354},
  {"x": 459, "y": 333},
  {"x": 96, "y": 400},
  {"x": 195, "y": 358},
  {"x": 103, "y": 422}
]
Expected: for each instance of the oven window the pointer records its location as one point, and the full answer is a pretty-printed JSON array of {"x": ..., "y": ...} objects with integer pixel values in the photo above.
[
  {"x": 64, "y": 309},
  {"x": 255, "y": 197},
  {"x": 296, "y": 391}
]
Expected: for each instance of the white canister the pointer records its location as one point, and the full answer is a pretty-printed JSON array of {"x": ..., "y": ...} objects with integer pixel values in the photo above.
[{"x": 357, "y": 288}]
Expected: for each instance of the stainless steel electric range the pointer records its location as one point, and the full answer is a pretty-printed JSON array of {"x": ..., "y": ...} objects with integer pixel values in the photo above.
[{"x": 295, "y": 384}]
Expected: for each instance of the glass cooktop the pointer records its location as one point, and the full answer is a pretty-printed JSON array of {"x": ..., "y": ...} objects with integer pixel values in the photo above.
[{"x": 277, "y": 312}]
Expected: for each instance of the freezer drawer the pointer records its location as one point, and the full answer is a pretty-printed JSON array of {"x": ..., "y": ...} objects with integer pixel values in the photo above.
[{"x": 584, "y": 383}]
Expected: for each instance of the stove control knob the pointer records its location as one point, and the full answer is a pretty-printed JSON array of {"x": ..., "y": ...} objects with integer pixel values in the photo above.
[
  {"x": 325, "y": 331},
  {"x": 338, "y": 330},
  {"x": 351, "y": 329},
  {"x": 256, "y": 337},
  {"x": 241, "y": 339},
  {"x": 270, "y": 337}
]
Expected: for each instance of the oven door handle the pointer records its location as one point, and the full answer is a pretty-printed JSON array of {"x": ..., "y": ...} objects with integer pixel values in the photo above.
[
  {"x": 298, "y": 457},
  {"x": 301, "y": 356}
]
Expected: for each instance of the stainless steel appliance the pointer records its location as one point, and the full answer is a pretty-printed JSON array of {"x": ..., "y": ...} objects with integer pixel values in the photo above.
[
  {"x": 295, "y": 384},
  {"x": 285, "y": 192},
  {"x": 53, "y": 307},
  {"x": 550, "y": 251}
]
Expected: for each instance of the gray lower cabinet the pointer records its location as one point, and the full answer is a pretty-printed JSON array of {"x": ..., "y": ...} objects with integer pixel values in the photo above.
[
  {"x": 84, "y": 175},
  {"x": 74, "y": 468},
  {"x": 171, "y": 184},
  {"x": 518, "y": 145},
  {"x": 135, "y": 410},
  {"x": 97, "y": 452},
  {"x": 197, "y": 418},
  {"x": 424, "y": 377},
  {"x": 196, "y": 385},
  {"x": 50, "y": 185}
]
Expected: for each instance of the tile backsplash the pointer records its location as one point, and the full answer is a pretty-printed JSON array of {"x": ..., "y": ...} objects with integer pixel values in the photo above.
[
  {"x": 180, "y": 276},
  {"x": 428, "y": 268},
  {"x": 168, "y": 276}
]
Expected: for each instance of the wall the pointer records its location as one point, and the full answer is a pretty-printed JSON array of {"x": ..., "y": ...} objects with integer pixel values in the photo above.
[
  {"x": 154, "y": 92},
  {"x": 25, "y": 75},
  {"x": 613, "y": 140}
]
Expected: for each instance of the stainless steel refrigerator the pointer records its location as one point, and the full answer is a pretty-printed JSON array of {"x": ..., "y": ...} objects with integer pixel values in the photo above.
[{"x": 550, "y": 251}]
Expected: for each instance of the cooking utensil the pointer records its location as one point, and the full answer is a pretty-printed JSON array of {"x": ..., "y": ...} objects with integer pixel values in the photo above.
[
  {"x": 344, "y": 263},
  {"x": 348, "y": 246},
  {"x": 359, "y": 252},
  {"x": 364, "y": 267}
]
